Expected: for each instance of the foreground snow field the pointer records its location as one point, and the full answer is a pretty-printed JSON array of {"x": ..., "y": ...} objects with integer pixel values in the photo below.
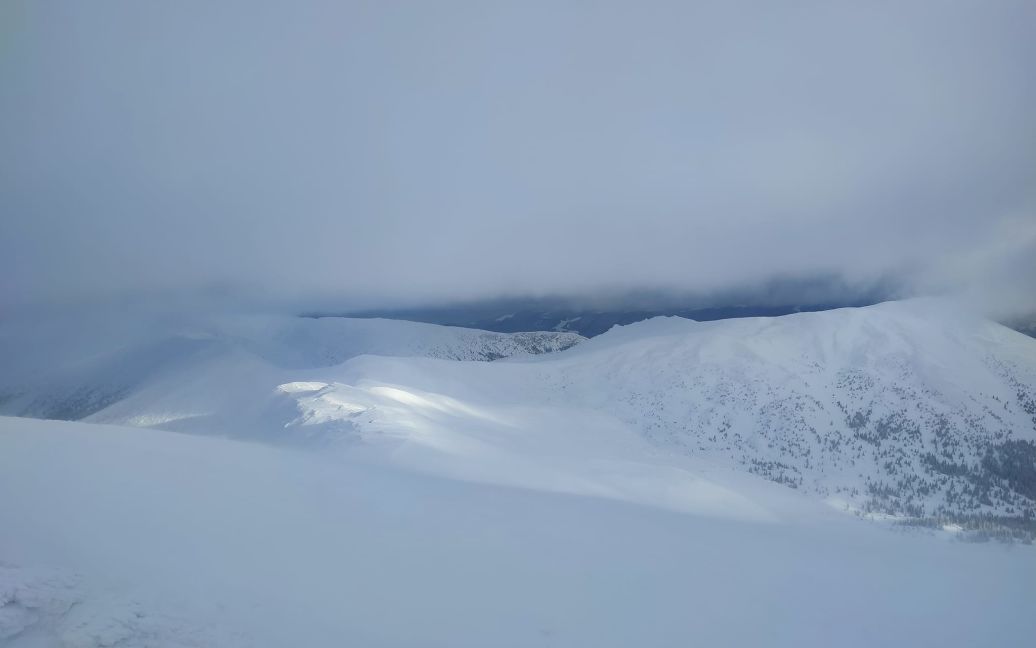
[{"x": 125, "y": 537}]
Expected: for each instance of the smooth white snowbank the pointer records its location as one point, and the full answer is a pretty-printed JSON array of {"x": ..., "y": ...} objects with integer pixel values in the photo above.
[{"x": 119, "y": 536}]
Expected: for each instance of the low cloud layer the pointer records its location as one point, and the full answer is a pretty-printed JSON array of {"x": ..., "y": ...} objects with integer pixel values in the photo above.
[{"x": 420, "y": 151}]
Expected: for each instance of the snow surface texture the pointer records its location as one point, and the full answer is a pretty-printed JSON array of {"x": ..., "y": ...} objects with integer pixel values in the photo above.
[
  {"x": 910, "y": 409},
  {"x": 47, "y": 607},
  {"x": 127, "y": 537}
]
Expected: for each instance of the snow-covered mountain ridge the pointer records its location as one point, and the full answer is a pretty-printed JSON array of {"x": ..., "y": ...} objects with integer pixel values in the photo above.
[
  {"x": 97, "y": 368},
  {"x": 628, "y": 490},
  {"x": 914, "y": 409},
  {"x": 906, "y": 408},
  {"x": 910, "y": 408}
]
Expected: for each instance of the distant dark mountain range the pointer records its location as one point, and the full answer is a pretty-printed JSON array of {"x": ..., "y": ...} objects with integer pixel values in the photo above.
[
  {"x": 592, "y": 316},
  {"x": 513, "y": 316},
  {"x": 1023, "y": 324}
]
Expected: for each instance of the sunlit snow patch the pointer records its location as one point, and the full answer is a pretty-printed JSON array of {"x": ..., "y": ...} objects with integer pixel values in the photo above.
[{"x": 550, "y": 449}]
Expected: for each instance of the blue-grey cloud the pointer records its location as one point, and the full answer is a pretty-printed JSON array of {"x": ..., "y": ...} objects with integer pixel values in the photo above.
[{"x": 456, "y": 149}]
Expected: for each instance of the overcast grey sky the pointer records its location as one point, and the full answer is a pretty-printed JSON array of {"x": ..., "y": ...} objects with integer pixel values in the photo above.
[{"x": 435, "y": 150}]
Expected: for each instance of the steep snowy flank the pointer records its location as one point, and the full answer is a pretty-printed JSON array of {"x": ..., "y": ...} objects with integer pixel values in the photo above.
[{"x": 906, "y": 408}]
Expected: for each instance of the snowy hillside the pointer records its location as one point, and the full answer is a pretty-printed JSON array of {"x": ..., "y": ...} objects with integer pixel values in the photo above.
[
  {"x": 127, "y": 537},
  {"x": 386, "y": 486},
  {"x": 907, "y": 408},
  {"x": 76, "y": 368},
  {"x": 912, "y": 409}
]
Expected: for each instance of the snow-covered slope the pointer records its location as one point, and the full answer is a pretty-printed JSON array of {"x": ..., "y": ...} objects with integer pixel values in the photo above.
[
  {"x": 908, "y": 408},
  {"x": 628, "y": 490},
  {"x": 127, "y": 537},
  {"x": 72, "y": 369}
]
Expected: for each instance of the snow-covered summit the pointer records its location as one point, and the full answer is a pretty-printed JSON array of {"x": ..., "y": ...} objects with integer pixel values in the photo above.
[{"x": 908, "y": 407}]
